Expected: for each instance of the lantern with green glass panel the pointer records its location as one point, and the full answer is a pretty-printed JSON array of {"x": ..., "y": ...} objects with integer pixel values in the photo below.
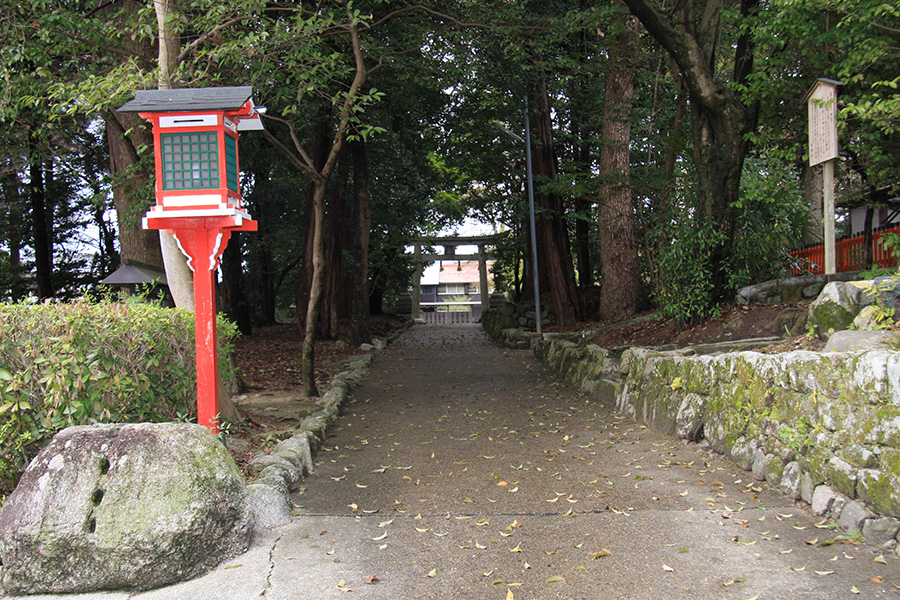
[
  {"x": 198, "y": 198},
  {"x": 197, "y": 162}
]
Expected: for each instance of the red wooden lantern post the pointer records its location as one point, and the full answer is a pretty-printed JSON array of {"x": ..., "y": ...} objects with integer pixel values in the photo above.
[{"x": 198, "y": 198}]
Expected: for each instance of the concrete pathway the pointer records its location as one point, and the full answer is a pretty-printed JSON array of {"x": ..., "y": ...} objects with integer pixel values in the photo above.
[{"x": 463, "y": 471}]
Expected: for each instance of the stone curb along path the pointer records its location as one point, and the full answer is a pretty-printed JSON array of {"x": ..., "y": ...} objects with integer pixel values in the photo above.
[{"x": 281, "y": 471}]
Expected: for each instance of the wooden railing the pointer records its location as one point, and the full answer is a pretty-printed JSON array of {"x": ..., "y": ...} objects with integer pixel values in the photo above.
[
  {"x": 850, "y": 255},
  {"x": 451, "y": 313},
  {"x": 448, "y": 318}
]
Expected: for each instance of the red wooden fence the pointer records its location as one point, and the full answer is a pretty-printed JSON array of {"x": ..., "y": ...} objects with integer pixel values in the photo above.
[{"x": 850, "y": 255}]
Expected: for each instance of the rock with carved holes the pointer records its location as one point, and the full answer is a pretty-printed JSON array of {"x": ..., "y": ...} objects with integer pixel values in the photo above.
[{"x": 133, "y": 506}]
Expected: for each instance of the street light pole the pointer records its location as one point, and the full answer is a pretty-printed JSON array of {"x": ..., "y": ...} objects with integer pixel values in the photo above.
[{"x": 534, "y": 252}]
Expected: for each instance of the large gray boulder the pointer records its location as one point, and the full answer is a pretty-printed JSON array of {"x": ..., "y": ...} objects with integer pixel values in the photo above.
[
  {"x": 134, "y": 506},
  {"x": 836, "y": 307},
  {"x": 849, "y": 340}
]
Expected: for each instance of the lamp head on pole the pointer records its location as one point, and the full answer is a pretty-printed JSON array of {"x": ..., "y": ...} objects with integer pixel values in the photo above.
[{"x": 195, "y": 134}]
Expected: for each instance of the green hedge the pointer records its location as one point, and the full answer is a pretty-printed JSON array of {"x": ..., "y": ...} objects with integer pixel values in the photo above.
[{"x": 82, "y": 362}]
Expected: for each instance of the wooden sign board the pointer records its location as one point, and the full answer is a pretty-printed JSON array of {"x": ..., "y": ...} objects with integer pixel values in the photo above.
[{"x": 821, "y": 102}]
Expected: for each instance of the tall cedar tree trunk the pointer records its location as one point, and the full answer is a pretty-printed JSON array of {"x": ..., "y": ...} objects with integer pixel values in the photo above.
[
  {"x": 135, "y": 243},
  {"x": 664, "y": 204},
  {"x": 264, "y": 260},
  {"x": 554, "y": 256},
  {"x": 583, "y": 205},
  {"x": 41, "y": 222},
  {"x": 333, "y": 293},
  {"x": 108, "y": 258},
  {"x": 234, "y": 301},
  {"x": 582, "y": 154},
  {"x": 11, "y": 208},
  {"x": 359, "y": 309},
  {"x": 618, "y": 242},
  {"x": 720, "y": 121}
]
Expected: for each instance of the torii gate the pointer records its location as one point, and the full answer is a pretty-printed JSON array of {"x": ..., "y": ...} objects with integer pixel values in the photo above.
[{"x": 449, "y": 245}]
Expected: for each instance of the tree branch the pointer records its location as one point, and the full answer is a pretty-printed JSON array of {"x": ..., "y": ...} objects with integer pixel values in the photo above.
[
  {"x": 193, "y": 45},
  {"x": 394, "y": 53},
  {"x": 454, "y": 20},
  {"x": 302, "y": 162},
  {"x": 347, "y": 108},
  {"x": 684, "y": 49}
]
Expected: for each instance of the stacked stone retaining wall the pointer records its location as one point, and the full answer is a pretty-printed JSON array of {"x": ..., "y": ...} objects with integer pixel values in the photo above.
[{"x": 822, "y": 427}]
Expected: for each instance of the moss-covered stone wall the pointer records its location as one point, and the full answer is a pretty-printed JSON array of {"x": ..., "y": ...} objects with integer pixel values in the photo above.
[
  {"x": 823, "y": 427},
  {"x": 503, "y": 327}
]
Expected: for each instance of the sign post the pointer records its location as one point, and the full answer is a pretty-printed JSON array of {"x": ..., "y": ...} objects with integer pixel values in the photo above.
[
  {"x": 821, "y": 102},
  {"x": 198, "y": 198}
]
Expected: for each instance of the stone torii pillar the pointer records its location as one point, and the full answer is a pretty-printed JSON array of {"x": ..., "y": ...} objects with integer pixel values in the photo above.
[
  {"x": 483, "y": 280},
  {"x": 416, "y": 295}
]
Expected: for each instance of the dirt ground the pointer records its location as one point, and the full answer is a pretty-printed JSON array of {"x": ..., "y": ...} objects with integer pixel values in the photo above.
[
  {"x": 733, "y": 323},
  {"x": 268, "y": 361}
]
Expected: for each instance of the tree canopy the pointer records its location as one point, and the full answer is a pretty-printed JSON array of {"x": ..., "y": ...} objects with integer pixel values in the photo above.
[{"x": 669, "y": 142}]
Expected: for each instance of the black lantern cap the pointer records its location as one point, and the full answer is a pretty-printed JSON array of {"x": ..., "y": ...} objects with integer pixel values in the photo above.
[{"x": 188, "y": 99}]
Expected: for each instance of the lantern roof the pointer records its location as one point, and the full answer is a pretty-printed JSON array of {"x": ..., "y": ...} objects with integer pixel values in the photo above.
[
  {"x": 189, "y": 99},
  {"x": 133, "y": 272}
]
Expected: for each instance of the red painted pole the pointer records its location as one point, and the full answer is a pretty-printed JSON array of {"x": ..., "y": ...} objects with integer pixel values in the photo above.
[{"x": 205, "y": 329}]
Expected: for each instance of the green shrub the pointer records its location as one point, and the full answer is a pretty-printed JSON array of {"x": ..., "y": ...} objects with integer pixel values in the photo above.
[
  {"x": 82, "y": 362},
  {"x": 771, "y": 217},
  {"x": 685, "y": 288}
]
